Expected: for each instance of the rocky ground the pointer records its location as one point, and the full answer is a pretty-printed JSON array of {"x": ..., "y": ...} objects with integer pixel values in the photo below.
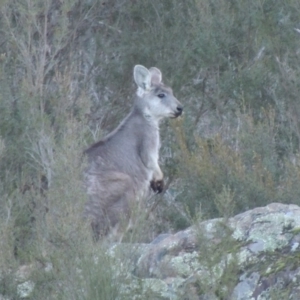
[{"x": 254, "y": 255}]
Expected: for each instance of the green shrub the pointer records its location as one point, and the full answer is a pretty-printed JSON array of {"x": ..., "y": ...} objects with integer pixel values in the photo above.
[{"x": 66, "y": 80}]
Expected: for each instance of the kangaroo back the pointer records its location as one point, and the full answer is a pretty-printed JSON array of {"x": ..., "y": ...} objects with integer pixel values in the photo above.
[{"x": 123, "y": 166}]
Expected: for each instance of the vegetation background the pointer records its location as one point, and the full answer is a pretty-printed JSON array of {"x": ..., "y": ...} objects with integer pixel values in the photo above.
[{"x": 66, "y": 80}]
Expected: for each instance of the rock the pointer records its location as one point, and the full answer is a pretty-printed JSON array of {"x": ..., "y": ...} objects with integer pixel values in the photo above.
[
  {"x": 254, "y": 255},
  {"x": 25, "y": 289}
]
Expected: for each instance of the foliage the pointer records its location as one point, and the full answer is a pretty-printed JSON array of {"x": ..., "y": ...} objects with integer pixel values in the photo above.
[{"x": 66, "y": 79}]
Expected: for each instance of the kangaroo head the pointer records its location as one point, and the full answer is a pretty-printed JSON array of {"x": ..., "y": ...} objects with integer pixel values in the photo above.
[{"x": 155, "y": 100}]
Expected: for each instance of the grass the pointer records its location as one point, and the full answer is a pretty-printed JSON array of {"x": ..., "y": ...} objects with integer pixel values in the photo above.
[{"x": 66, "y": 80}]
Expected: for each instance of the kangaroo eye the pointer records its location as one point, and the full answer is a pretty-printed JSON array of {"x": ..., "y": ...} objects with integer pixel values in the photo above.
[{"x": 161, "y": 96}]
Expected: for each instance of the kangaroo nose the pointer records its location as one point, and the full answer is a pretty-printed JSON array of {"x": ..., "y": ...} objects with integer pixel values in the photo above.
[{"x": 179, "y": 110}]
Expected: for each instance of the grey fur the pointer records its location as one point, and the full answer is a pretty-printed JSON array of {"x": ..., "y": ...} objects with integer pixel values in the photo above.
[{"x": 123, "y": 164}]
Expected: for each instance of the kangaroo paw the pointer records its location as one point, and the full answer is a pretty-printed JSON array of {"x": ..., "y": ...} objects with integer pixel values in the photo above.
[{"x": 157, "y": 186}]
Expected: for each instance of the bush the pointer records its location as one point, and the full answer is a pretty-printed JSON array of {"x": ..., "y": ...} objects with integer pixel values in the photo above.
[{"x": 66, "y": 80}]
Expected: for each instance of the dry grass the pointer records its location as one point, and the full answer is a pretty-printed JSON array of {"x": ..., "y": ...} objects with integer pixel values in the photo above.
[{"x": 65, "y": 79}]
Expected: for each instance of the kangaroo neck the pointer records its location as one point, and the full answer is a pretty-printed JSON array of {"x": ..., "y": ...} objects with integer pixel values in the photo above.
[{"x": 150, "y": 120}]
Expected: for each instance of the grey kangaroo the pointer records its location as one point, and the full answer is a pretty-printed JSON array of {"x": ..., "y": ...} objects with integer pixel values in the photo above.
[{"x": 123, "y": 166}]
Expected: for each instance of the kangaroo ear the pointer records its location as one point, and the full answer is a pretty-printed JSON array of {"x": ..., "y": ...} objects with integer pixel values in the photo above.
[
  {"x": 155, "y": 75},
  {"x": 142, "y": 77}
]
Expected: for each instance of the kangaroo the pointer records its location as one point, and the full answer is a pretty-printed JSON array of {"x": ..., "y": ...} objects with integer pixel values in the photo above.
[{"x": 123, "y": 166}]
